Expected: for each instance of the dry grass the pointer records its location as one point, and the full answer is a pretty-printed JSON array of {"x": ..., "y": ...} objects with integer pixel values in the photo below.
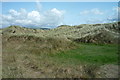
[
  {"x": 37, "y": 57},
  {"x": 35, "y": 53}
]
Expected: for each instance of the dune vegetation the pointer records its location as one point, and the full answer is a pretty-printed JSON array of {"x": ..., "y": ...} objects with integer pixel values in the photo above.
[{"x": 81, "y": 51}]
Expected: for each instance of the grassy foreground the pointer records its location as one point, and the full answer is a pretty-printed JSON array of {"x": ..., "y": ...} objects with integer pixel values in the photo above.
[{"x": 80, "y": 62}]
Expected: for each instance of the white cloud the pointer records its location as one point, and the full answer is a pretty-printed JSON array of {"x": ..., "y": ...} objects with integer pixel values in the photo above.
[
  {"x": 95, "y": 21},
  {"x": 92, "y": 11},
  {"x": 50, "y": 18},
  {"x": 38, "y": 5},
  {"x": 34, "y": 15},
  {"x": 116, "y": 9},
  {"x": 53, "y": 13},
  {"x": 96, "y": 11},
  {"x": 85, "y": 12},
  {"x": 13, "y": 12},
  {"x": 112, "y": 17},
  {"x": 115, "y": 16},
  {"x": 57, "y": 12}
]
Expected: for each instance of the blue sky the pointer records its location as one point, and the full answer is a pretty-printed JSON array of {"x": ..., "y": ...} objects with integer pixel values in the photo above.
[{"x": 53, "y": 14}]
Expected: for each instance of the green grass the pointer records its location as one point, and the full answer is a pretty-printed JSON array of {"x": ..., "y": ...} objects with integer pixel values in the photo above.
[{"x": 89, "y": 53}]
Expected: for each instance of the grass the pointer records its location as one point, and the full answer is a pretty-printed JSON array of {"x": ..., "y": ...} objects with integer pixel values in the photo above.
[
  {"x": 90, "y": 53},
  {"x": 30, "y": 60}
]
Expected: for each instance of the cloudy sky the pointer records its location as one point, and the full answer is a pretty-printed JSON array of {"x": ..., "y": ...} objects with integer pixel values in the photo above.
[{"x": 52, "y": 14}]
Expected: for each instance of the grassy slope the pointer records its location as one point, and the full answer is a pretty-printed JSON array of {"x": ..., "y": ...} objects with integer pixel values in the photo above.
[{"x": 78, "y": 31}]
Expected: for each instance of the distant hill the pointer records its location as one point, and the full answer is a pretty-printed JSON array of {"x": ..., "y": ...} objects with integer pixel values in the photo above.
[
  {"x": 18, "y": 30},
  {"x": 102, "y": 33}
]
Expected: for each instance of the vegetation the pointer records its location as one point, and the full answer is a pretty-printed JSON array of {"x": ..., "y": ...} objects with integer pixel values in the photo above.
[
  {"x": 90, "y": 53},
  {"x": 83, "y": 51},
  {"x": 28, "y": 57}
]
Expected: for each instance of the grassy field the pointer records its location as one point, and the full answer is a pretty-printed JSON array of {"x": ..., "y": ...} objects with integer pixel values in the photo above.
[
  {"x": 83, "y": 61},
  {"x": 90, "y": 53}
]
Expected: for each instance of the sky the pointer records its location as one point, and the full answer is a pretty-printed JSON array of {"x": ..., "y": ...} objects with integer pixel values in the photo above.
[{"x": 52, "y": 14}]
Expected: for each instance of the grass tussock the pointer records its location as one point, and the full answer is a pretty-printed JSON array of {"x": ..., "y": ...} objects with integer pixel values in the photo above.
[{"x": 38, "y": 44}]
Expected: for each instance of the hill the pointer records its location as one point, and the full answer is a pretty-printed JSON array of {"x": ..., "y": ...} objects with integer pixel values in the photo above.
[
  {"x": 88, "y": 32},
  {"x": 95, "y": 33}
]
